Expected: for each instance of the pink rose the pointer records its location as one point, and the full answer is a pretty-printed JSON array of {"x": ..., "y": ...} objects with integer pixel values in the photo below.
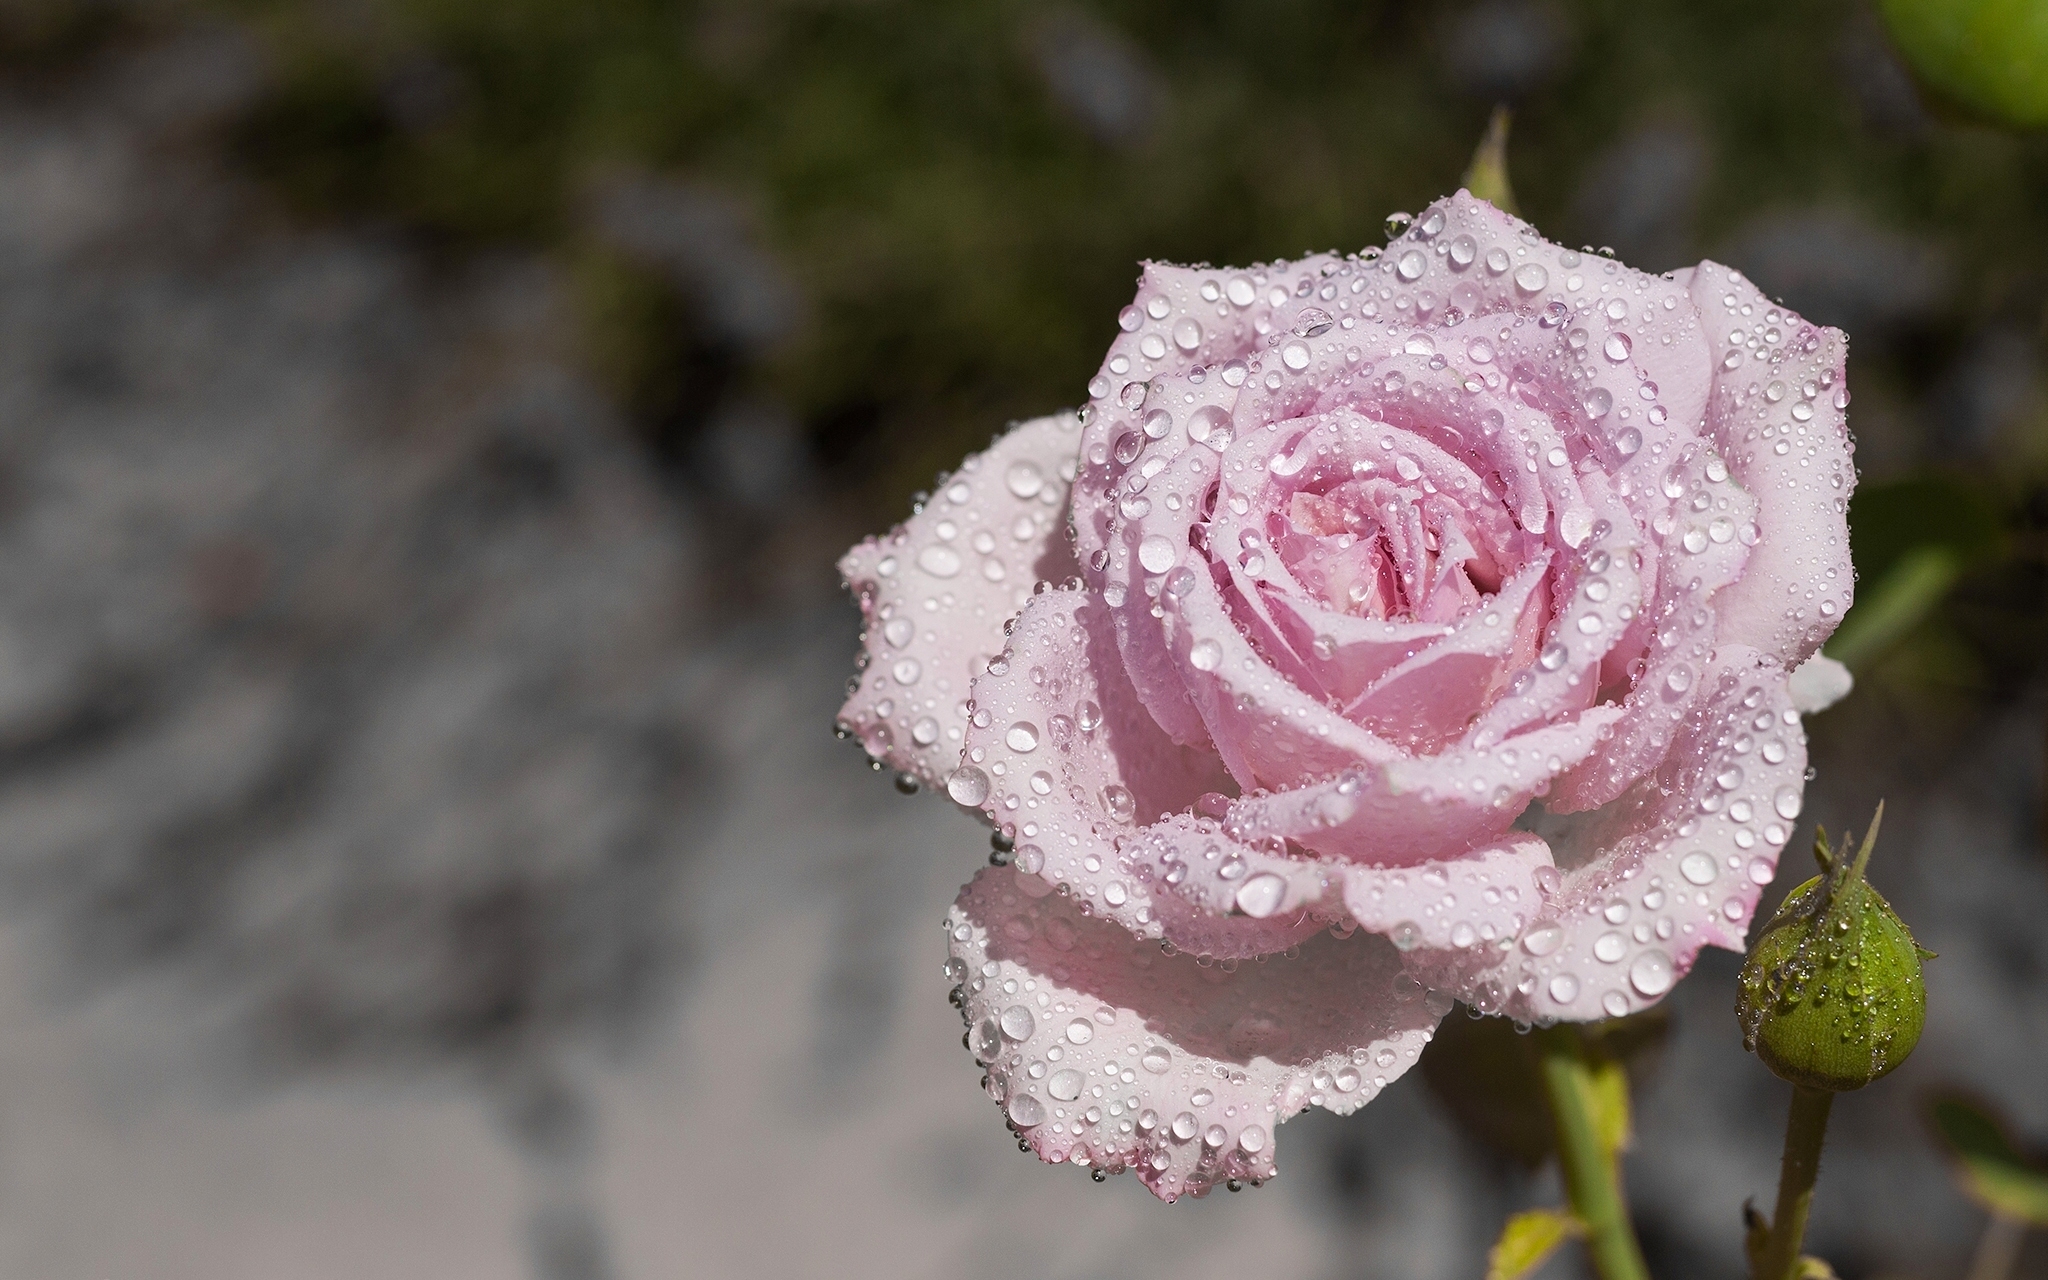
[{"x": 1423, "y": 634}]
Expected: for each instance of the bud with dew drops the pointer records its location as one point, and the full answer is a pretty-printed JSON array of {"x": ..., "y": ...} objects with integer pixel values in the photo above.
[{"x": 1832, "y": 995}]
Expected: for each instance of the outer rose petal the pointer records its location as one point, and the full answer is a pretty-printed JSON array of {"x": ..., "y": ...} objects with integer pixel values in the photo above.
[
  {"x": 1777, "y": 413},
  {"x": 1075, "y": 770},
  {"x": 1675, "y": 864},
  {"x": 1105, "y": 1051},
  {"x": 936, "y": 590}
]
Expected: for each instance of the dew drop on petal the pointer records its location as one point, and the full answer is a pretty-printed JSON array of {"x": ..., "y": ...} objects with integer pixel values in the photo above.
[
  {"x": 1651, "y": 973},
  {"x": 1026, "y": 1111},
  {"x": 1698, "y": 867},
  {"x": 1530, "y": 277},
  {"x": 1564, "y": 988},
  {"x": 1080, "y": 1031},
  {"x": 1156, "y": 554},
  {"x": 1205, "y": 655},
  {"x": 967, "y": 785},
  {"x": 1260, "y": 896},
  {"x": 1022, "y": 737},
  {"x": 1017, "y": 1022}
]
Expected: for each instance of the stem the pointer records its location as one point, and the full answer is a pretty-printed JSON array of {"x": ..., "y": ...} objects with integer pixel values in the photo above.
[
  {"x": 1999, "y": 1249},
  {"x": 1805, "y": 1127},
  {"x": 1589, "y": 1171}
]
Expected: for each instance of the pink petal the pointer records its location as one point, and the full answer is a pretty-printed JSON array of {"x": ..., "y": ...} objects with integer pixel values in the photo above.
[
  {"x": 1105, "y": 1052},
  {"x": 1777, "y": 414},
  {"x": 937, "y": 589},
  {"x": 1677, "y": 863},
  {"x": 1473, "y": 901},
  {"x": 1414, "y": 809}
]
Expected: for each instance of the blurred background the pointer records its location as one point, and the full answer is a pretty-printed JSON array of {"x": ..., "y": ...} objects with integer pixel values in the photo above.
[{"x": 426, "y": 430}]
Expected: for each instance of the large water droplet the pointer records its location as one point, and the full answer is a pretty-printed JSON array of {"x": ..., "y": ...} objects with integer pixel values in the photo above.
[
  {"x": 1017, "y": 1022},
  {"x": 1698, "y": 867},
  {"x": 1026, "y": 1111},
  {"x": 1787, "y": 802},
  {"x": 1065, "y": 1085},
  {"x": 1542, "y": 940},
  {"x": 967, "y": 785},
  {"x": 1651, "y": 973},
  {"x": 1260, "y": 896},
  {"x": 1295, "y": 356},
  {"x": 1156, "y": 554},
  {"x": 1156, "y": 1060},
  {"x": 1022, "y": 737},
  {"x": 1564, "y": 988},
  {"x": 1080, "y": 1031},
  {"x": 1205, "y": 655},
  {"x": 1024, "y": 479},
  {"x": 1530, "y": 277},
  {"x": 939, "y": 560}
]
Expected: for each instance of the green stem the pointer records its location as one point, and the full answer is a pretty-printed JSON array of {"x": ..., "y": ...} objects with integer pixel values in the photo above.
[
  {"x": 1589, "y": 1170},
  {"x": 1805, "y": 1128}
]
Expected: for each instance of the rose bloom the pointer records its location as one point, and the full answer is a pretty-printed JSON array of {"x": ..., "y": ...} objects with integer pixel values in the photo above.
[{"x": 1423, "y": 632}]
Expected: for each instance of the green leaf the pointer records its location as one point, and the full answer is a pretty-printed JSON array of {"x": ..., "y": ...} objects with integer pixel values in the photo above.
[
  {"x": 1487, "y": 175},
  {"x": 1527, "y": 1239},
  {"x": 1990, "y": 56},
  {"x": 1989, "y": 1165}
]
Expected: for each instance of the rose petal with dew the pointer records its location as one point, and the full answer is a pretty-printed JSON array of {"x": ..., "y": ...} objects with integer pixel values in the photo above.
[
  {"x": 935, "y": 592},
  {"x": 1675, "y": 864},
  {"x": 1480, "y": 900},
  {"x": 1778, "y": 413},
  {"x": 1064, "y": 759},
  {"x": 1103, "y": 1051}
]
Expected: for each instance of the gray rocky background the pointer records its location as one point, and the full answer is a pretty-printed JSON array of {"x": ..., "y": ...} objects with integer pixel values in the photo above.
[{"x": 417, "y": 861}]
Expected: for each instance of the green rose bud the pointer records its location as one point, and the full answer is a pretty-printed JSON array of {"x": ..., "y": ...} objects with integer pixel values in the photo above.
[{"x": 1832, "y": 996}]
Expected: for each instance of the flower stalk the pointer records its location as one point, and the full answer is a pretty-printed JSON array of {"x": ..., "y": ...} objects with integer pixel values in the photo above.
[
  {"x": 1805, "y": 1129},
  {"x": 1589, "y": 1161}
]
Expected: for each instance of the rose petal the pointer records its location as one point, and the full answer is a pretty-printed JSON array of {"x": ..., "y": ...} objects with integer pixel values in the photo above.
[
  {"x": 937, "y": 589},
  {"x": 1674, "y": 865},
  {"x": 1414, "y": 809},
  {"x": 1105, "y": 1052},
  {"x": 1777, "y": 412},
  {"x": 1075, "y": 770},
  {"x": 1478, "y": 900}
]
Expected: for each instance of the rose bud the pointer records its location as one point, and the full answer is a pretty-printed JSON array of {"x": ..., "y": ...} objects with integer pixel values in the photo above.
[{"x": 1832, "y": 996}]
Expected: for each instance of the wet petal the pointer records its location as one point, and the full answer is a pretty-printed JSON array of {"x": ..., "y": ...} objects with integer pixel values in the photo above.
[
  {"x": 1103, "y": 1051},
  {"x": 1778, "y": 414},
  {"x": 936, "y": 590},
  {"x": 1675, "y": 864}
]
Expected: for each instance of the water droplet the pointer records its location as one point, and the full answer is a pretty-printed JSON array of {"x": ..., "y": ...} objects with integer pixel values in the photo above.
[
  {"x": 1564, "y": 988},
  {"x": 1312, "y": 322},
  {"x": 1463, "y": 250},
  {"x": 1397, "y": 223},
  {"x": 1542, "y": 940},
  {"x": 1405, "y": 936},
  {"x": 1215, "y": 1136},
  {"x": 1207, "y": 420},
  {"x": 1156, "y": 1060},
  {"x": 1698, "y": 867},
  {"x": 987, "y": 1041},
  {"x": 1413, "y": 263},
  {"x": 1088, "y": 716},
  {"x": 1598, "y": 403},
  {"x": 1614, "y": 1003},
  {"x": 1617, "y": 347},
  {"x": 1026, "y": 1111},
  {"x": 1260, "y": 896},
  {"x": 1065, "y": 1085},
  {"x": 1680, "y": 678},
  {"x": 1295, "y": 356},
  {"x": 1205, "y": 655},
  {"x": 1024, "y": 479},
  {"x": 1497, "y": 261},
  {"x": 1187, "y": 334},
  {"x": 1787, "y": 802},
  {"x": 967, "y": 785},
  {"x": 1252, "y": 1140},
  {"x": 1530, "y": 277},
  {"x": 1017, "y": 1022},
  {"x": 1023, "y": 736},
  {"x": 925, "y": 732},
  {"x": 1156, "y": 554},
  {"x": 1184, "y": 1125},
  {"x": 1080, "y": 1031},
  {"x": 1157, "y": 424},
  {"x": 939, "y": 560},
  {"x": 1651, "y": 973},
  {"x": 1552, "y": 657},
  {"x": 1609, "y": 947}
]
